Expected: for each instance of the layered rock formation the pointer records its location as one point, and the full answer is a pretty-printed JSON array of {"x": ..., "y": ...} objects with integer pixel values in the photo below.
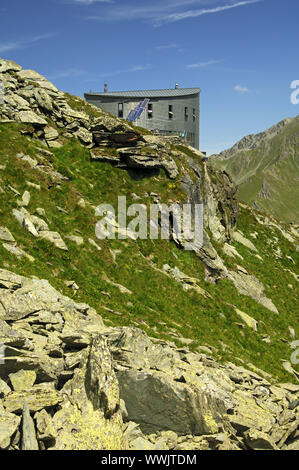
[{"x": 69, "y": 382}]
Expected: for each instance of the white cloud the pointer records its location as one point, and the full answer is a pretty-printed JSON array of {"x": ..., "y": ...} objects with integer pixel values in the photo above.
[
  {"x": 138, "y": 68},
  {"x": 11, "y": 46},
  {"x": 166, "y": 46},
  {"x": 241, "y": 89},
  {"x": 66, "y": 74},
  {"x": 204, "y": 11},
  {"x": 132, "y": 69},
  {"x": 166, "y": 11},
  {"x": 90, "y": 2},
  {"x": 200, "y": 65}
]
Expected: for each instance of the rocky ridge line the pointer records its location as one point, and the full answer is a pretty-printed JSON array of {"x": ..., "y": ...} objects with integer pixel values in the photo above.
[{"x": 253, "y": 141}]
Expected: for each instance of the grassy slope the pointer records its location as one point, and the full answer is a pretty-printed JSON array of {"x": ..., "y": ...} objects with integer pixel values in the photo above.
[
  {"x": 275, "y": 162},
  {"x": 158, "y": 304}
]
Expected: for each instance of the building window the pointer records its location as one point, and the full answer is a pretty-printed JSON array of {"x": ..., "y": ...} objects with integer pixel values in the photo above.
[
  {"x": 120, "y": 110},
  {"x": 170, "y": 112},
  {"x": 150, "y": 111},
  {"x": 186, "y": 113},
  {"x": 194, "y": 114}
]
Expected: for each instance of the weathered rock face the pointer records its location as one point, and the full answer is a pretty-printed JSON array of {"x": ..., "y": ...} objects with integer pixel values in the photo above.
[
  {"x": 57, "y": 363},
  {"x": 140, "y": 157},
  {"x": 68, "y": 382},
  {"x": 32, "y": 99}
]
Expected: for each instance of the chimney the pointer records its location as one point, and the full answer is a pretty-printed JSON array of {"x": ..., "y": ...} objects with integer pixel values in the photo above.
[
  {"x": 105, "y": 88},
  {"x": 176, "y": 86}
]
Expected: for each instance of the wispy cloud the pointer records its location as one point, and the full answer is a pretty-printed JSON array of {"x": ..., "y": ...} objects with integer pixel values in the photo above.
[
  {"x": 66, "y": 74},
  {"x": 90, "y": 2},
  {"x": 201, "y": 65},
  {"x": 132, "y": 69},
  {"x": 11, "y": 46},
  {"x": 173, "y": 17},
  {"x": 168, "y": 11},
  {"x": 166, "y": 46},
  {"x": 241, "y": 89}
]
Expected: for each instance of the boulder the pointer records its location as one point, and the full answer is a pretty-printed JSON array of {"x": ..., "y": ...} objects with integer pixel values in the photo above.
[
  {"x": 164, "y": 404},
  {"x": 37, "y": 398},
  {"x": 9, "y": 424},
  {"x": 29, "y": 441},
  {"x": 84, "y": 136},
  {"x": 29, "y": 117},
  {"x": 18, "y": 252},
  {"x": 257, "y": 440},
  {"x": 5, "y": 235},
  {"x": 9, "y": 66},
  {"x": 32, "y": 76},
  {"x": 239, "y": 237},
  {"x": 45, "y": 427},
  {"x": 43, "y": 99},
  {"x": 22, "y": 380},
  {"x": 50, "y": 133},
  {"x": 251, "y": 322},
  {"x": 54, "y": 238}
]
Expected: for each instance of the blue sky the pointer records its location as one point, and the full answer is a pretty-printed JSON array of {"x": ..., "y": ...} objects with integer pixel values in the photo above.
[{"x": 242, "y": 54}]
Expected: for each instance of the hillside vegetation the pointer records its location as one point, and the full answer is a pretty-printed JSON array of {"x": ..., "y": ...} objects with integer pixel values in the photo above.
[
  {"x": 235, "y": 299},
  {"x": 266, "y": 169}
]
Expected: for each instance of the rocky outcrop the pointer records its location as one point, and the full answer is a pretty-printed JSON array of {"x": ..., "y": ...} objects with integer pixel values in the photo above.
[
  {"x": 57, "y": 370},
  {"x": 69, "y": 382},
  {"x": 29, "y": 98},
  {"x": 140, "y": 157}
]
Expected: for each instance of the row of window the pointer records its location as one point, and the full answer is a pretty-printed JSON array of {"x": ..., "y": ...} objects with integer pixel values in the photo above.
[
  {"x": 188, "y": 136},
  {"x": 150, "y": 112}
]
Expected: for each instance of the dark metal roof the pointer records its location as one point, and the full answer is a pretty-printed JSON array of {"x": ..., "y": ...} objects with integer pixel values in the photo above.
[{"x": 171, "y": 92}]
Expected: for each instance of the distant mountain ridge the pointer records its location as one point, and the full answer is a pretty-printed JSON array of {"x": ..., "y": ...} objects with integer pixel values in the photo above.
[
  {"x": 251, "y": 141},
  {"x": 265, "y": 166}
]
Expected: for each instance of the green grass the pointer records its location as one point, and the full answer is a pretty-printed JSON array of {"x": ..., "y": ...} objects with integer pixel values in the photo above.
[
  {"x": 158, "y": 303},
  {"x": 275, "y": 163}
]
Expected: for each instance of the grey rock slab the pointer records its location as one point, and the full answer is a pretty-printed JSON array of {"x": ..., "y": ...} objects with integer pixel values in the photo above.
[
  {"x": 9, "y": 424},
  {"x": 37, "y": 398},
  {"x": 29, "y": 117},
  {"x": 22, "y": 380},
  {"x": 29, "y": 441},
  {"x": 9, "y": 66},
  {"x": 5, "y": 235}
]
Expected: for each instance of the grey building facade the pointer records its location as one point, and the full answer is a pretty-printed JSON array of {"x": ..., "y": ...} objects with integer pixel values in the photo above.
[{"x": 169, "y": 111}]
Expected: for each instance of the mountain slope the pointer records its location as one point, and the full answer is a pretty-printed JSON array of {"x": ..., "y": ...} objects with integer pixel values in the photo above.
[
  {"x": 219, "y": 321},
  {"x": 66, "y": 180},
  {"x": 265, "y": 167},
  {"x": 224, "y": 298}
]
